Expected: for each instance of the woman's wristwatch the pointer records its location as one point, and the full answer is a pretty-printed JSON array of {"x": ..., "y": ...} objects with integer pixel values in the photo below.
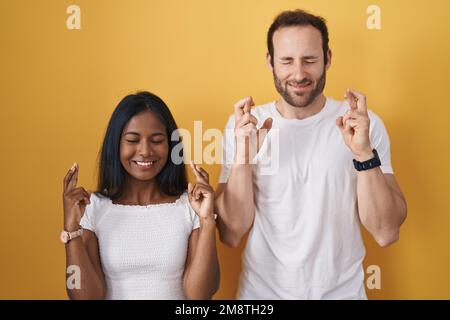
[{"x": 66, "y": 236}]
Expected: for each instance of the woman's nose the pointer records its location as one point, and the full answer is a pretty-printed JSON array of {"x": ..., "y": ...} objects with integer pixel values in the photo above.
[{"x": 145, "y": 149}]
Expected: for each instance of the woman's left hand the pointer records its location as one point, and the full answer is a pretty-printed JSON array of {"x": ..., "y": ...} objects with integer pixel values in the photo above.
[{"x": 201, "y": 195}]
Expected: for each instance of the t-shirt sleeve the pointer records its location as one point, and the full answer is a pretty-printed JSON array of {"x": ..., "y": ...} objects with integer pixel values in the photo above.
[
  {"x": 380, "y": 141},
  {"x": 228, "y": 150},
  {"x": 88, "y": 218},
  {"x": 194, "y": 217}
]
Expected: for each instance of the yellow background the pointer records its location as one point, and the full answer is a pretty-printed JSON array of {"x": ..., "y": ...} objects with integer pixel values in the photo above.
[{"x": 59, "y": 87}]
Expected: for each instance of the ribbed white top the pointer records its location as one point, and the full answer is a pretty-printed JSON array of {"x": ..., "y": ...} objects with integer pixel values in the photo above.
[{"x": 143, "y": 249}]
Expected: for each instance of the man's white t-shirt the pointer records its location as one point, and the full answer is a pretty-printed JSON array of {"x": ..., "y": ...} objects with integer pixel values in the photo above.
[{"x": 305, "y": 242}]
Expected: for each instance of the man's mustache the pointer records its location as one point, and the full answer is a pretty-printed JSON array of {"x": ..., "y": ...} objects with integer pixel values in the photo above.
[{"x": 304, "y": 81}]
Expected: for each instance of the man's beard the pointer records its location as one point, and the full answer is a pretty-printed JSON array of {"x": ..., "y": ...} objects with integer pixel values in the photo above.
[{"x": 300, "y": 100}]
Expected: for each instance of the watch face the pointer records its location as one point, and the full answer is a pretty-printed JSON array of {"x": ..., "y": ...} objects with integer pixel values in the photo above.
[{"x": 64, "y": 236}]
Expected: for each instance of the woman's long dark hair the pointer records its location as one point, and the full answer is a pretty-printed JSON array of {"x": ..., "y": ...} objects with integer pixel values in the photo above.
[{"x": 172, "y": 178}]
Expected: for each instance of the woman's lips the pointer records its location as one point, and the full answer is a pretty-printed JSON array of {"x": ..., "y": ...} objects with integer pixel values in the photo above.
[{"x": 145, "y": 164}]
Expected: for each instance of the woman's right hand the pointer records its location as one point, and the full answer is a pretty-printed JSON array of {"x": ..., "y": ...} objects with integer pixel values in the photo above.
[
  {"x": 75, "y": 200},
  {"x": 201, "y": 195}
]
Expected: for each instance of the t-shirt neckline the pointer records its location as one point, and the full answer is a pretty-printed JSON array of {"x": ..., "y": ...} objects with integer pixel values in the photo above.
[
  {"x": 149, "y": 206},
  {"x": 301, "y": 122}
]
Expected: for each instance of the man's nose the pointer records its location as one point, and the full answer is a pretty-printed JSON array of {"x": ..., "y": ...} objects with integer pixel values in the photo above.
[{"x": 299, "y": 71}]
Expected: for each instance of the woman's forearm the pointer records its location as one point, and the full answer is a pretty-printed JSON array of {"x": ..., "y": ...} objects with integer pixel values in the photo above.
[
  {"x": 90, "y": 286},
  {"x": 202, "y": 281}
]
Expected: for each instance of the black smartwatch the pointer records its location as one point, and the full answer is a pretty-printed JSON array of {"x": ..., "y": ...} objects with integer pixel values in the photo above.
[{"x": 368, "y": 164}]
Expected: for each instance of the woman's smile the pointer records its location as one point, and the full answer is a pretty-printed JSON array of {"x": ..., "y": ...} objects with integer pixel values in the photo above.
[{"x": 145, "y": 164}]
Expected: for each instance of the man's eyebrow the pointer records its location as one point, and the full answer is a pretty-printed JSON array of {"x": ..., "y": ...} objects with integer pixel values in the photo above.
[
  {"x": 303, "y": 58},
  {"x": 310, "y": 57}
]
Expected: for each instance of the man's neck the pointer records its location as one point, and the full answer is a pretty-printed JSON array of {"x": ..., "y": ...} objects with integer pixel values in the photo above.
[{"x": 289, "y": 112}]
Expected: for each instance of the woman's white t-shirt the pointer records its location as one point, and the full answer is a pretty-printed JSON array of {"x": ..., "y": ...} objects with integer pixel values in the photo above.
[
  {"x": 305, "y": 242},
  {"x": 143, "y": 249}
]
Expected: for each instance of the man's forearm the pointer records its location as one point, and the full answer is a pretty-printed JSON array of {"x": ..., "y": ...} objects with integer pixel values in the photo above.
[
  {"x": 234, "y": 204},
  {"x": 381, "y": 209}
]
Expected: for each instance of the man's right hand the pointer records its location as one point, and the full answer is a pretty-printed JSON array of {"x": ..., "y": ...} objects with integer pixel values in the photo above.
[
  {"x": 249, "y": 139},
  {"x": 75, "y": 200}
]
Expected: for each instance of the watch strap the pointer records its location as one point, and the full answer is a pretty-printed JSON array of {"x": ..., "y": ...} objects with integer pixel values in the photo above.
[
  {"x": 66, "y": 236},
  {"x": 368, "y": 164}
]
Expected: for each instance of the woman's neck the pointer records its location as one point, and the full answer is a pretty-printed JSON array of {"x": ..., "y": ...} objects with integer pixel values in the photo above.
[{"x": 137, "y": 192}]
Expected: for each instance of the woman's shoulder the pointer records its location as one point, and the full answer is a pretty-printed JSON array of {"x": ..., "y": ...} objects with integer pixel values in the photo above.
[
  {"x": 99, "y": 203},
  {"x": 184, "y": 199},
  {"x": 99, "y": 199},
  {"x": 94, "y": 211},
  {"x": 178, "y": 201},
  {"x": 192, "y": 215}
]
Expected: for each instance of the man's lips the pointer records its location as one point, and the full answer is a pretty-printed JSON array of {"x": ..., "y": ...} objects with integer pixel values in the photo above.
[{"x": 300, "y": 86}]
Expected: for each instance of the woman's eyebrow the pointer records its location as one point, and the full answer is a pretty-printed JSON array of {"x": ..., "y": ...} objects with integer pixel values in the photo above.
[
  {"x": 137, "y": 134},
  {"x": 131, "y": 132}
]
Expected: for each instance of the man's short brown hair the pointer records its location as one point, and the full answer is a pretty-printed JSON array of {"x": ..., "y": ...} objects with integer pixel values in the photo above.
[{"x": 298, "y": 18}]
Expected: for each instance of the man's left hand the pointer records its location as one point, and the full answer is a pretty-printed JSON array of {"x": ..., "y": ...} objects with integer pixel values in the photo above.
[{"x": 354, "y": 126}]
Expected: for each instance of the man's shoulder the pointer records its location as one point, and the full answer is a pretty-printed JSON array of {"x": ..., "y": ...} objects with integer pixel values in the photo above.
[{"x": 263, "y": 111}]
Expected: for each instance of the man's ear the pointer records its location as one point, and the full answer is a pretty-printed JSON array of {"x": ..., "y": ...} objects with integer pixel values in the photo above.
[
  {"x": 269, "y": 62},
  {"x": 329, "y": 54}
]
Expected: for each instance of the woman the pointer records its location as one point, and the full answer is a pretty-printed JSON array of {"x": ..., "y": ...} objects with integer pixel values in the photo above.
[{"x": 145, "y": 233}]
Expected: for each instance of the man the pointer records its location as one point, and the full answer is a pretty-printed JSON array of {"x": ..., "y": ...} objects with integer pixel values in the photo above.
[{"x": 334, "y": 173}]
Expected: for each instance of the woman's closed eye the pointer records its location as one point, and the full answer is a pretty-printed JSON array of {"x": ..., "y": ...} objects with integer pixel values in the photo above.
[{"x": 154, "y": 141}]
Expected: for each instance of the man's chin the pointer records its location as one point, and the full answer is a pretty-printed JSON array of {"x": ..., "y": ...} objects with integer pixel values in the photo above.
[{"x": 299, "y": 101}]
